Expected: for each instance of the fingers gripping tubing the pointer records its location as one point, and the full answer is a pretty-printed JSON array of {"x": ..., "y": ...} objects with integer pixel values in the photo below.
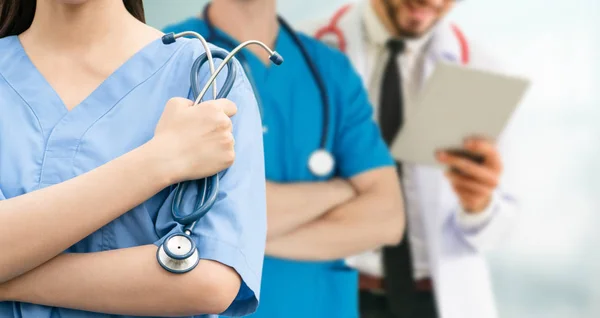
[{"x": 207, "y": 187}]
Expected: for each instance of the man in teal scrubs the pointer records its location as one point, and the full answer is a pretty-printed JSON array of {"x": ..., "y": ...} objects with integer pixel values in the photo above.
[{"x": 314, "y": 222}]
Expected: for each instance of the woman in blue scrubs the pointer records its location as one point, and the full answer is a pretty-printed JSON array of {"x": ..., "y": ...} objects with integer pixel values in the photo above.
[
  {"x": 314, "y": 221},
  {"x": 88, "y": 154}
]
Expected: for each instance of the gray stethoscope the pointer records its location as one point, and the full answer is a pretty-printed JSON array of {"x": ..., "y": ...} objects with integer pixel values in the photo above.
[
  {"x": 321, "y": 162},
  {"x": 178, "y": 253}
]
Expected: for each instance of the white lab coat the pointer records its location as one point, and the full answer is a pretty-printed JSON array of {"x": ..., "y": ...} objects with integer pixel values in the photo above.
[{"x": 459, "y": 271}]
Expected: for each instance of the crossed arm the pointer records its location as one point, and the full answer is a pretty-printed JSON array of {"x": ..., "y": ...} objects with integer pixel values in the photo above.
[
  {"x": 114, "y": 282},
  {"x": 335, "y": 219}
]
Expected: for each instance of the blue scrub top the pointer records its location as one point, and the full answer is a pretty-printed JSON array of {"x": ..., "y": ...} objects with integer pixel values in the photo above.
[
  {"x": 42, "y": 144},
  {"x": 292, "y": 119}
]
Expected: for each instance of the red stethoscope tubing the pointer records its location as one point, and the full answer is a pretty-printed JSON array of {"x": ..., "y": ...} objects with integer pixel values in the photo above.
[
  {"x": 332, "y": 28},
  {"x": 464, "y": 45}
]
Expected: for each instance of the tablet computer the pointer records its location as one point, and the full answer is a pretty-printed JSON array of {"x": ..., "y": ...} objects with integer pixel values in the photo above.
[{"x": 457, "y": 102}]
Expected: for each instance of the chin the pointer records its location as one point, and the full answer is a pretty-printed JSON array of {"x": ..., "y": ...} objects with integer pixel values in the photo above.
[
  {"x": 71, "y": 1},
  {"x": 415, "y": 31},
  {"x": 417, "y": 20}
]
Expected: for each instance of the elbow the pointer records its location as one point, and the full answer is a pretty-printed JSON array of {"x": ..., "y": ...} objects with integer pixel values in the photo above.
[
  {"x": 392, "y": 224},
  {"x": 212, "y": 290},
  {"x": 224, "y": 293},
  {"x": 387, "y": 216},
  {"x": 221, "y": 296},
  {"x": 394, "y": 231}
]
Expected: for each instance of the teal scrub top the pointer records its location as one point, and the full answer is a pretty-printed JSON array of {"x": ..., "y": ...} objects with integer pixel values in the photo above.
[
  {"x": 292, "y": 126},
  {"x": 42, "y": 144}
]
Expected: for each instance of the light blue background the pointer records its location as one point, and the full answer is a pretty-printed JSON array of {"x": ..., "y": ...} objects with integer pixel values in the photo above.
[{"x": 549, "y": 267}]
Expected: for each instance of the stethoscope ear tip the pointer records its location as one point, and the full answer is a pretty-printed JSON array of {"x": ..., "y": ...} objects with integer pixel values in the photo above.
[
  {"x": 276, "y": 58},
  {"x": 168, "y": 38}
]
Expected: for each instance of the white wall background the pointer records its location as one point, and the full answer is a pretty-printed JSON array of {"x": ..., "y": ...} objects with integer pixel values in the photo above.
[{"x": 549, "y": 267}]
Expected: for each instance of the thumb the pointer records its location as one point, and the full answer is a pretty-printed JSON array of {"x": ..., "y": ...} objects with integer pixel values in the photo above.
[{"x": 228, "y": 107}]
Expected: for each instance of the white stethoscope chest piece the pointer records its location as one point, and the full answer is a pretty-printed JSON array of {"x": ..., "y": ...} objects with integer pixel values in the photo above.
[{"x": 321, "y": 163}]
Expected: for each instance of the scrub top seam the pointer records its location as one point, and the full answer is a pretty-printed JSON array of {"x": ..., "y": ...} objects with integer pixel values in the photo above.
[
  {"x": 120, "y": 99},
  {"x": 235, "y": 247},
  {"x": 26, "y": 103},
  {"x": 38, "y": 121}
]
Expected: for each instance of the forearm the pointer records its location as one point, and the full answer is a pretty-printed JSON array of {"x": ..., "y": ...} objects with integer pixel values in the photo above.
[
  {"x": 126, "y": 282},
  {"x": 289, "y": 206},
  {"x": 63, "y": 214},
  {"x": 372, "y": 219}
]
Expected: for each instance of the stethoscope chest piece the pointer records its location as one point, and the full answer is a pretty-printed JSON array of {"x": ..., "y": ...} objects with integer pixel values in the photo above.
[
  {"x": 321, "y": 163},
  {"x": 178, "y": 253}
]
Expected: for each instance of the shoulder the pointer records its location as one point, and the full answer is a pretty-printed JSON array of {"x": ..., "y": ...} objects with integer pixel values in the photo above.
[
  {"x": 184, "y": 52},
  {"x": 476, "y": 51},
  {"x": 186, "y": 48}
]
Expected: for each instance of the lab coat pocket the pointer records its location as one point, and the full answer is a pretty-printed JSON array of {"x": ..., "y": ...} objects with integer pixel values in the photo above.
[{"x": 339, "y": 293}]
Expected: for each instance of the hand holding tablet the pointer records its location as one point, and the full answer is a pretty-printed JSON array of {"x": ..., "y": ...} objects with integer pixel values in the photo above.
[{"x": 457, "y": 103}]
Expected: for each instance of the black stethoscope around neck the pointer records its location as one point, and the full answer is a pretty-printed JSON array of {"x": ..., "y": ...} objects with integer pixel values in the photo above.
[{"x": 321, "y": 162}]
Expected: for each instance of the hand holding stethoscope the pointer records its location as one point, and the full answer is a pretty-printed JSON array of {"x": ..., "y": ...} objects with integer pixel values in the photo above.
[{"x": 178, "y": 253}]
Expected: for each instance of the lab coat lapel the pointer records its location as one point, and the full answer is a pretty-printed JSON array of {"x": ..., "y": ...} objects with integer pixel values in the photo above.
[{"x": 443, "y": 46}]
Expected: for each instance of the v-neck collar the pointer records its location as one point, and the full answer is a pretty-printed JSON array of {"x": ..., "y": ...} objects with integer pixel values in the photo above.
[{"x": 49, "y": 108}]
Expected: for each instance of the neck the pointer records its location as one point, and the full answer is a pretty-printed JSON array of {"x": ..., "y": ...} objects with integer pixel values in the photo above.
[
  {"x": 71, "y": 26},
  {"x": 247, "y": 20},
  {"x": 381, "y": 10}
]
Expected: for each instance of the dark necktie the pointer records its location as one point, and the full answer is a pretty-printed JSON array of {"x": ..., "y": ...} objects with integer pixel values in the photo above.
[
  {"x": 400, "y": 285},
  {"x": 390, "y": 103}
]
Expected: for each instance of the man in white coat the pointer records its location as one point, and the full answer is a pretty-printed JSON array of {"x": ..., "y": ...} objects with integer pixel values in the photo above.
[{"x": 453, "y": 215}]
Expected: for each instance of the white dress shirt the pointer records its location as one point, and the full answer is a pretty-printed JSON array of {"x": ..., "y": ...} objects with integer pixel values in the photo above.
[{"x": 411, "y": 63}]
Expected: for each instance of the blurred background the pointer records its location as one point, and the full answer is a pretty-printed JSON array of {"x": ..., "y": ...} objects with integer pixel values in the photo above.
[{"x": 549, "y": 266}]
